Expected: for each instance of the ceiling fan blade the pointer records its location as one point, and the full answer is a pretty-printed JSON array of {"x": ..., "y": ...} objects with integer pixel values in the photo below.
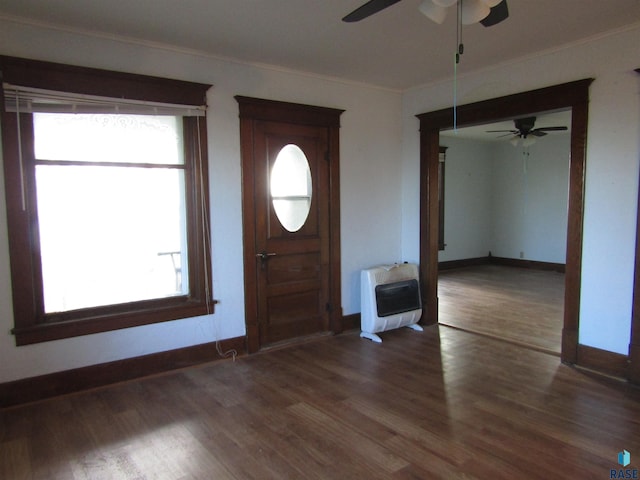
[
  {"x": 368, "y": 9},
  {"x": 551, "y": 129},
  {"x": 537, "y": 133},
  {"x": 497, "y": 14},
  {"x": 500, "y": 131}
]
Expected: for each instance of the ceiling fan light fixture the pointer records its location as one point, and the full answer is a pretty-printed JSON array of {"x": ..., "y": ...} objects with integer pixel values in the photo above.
[
  {"x": 528, "y": 141},
  {"x": 432, "y": 11},
  {"x": 473, "y": 11},
  {"x": 491, "y": 3},
  {"x": 514, "y": 141}
]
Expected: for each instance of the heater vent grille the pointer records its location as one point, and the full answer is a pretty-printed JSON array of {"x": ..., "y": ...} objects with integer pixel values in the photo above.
[{"x": 397, "y": 297}]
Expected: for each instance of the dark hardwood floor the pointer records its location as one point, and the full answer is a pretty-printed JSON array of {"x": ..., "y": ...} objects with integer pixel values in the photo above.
[
  {"x": 521, "y": 305},
  {"x": 443, "y": 403}
]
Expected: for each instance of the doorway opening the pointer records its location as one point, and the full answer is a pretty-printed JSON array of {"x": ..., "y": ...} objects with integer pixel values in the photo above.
[
  {"x": 571, "y": 96},
  {"x": 503, "y": 232}
]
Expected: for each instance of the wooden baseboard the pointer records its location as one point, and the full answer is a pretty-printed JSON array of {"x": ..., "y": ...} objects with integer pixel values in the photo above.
[
  {"x": 465, "y": 262},
  {"x": 609, "y": 363},
  {"x": 70, "y": 381},
  {"x": 509, "y": 262},
  {"x": 633, "y": 372},
  {"x": 533, "y": 264},
  {"x": 351, "y": 322}
]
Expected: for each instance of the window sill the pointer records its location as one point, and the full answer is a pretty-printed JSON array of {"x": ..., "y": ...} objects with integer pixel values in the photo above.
[{"x": 90, "y": 324}]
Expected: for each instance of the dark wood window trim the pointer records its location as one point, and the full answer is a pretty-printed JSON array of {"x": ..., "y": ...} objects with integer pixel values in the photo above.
[
  {"x": 32, "y": 325},
  {"x": 574, "y": 96},
  {"x": 441, "y": 172}
]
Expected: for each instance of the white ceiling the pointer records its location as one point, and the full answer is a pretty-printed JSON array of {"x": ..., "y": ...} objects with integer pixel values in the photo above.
[{"x": 397, "y": 48}]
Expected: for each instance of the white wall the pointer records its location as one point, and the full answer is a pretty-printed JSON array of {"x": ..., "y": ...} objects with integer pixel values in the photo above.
[
  {"x": 467, "y": 199},
  {"x": 506, "y": 200},
  {"x": 613, "y": 153},
  {"x": 370, "y": 187},
  {"x": 530, "y": 196}
]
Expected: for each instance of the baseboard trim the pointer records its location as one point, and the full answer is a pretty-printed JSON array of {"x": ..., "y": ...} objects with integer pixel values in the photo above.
[
  {"x": 603, "y": 361},
  {"x": 532, "y": 264},
  {"x": 509, "y": 262},
  {"x": 351, "y": 322},
  {"x": 462, "y": 263},
  {"x": 633, "y": 371},
  {"x": 70, "y": 381}
]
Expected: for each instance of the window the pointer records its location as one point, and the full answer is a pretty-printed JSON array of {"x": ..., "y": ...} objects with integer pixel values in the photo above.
[
  {"x": 106, "y": 185},
  {"x": 111, "y": 208},
  {"x": 291, "y": 187}
]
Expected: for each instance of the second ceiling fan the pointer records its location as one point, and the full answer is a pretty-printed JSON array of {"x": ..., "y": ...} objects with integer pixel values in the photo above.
[
  {"x": 524, "y": 131},
  {"x": 525, "y": 127},
  {"x": 487, "y": 12}
]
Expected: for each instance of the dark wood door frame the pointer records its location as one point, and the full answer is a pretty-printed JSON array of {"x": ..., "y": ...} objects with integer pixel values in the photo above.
[
  {"x": 633, "y": 372},
  {"x": 254, "y": 110},
  {"x": 574, "y": 96}
]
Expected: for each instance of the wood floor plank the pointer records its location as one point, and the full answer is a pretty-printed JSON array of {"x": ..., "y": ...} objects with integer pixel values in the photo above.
[
  {"x": 15, "y": 462},
  {"x": 374, "y": 455}
]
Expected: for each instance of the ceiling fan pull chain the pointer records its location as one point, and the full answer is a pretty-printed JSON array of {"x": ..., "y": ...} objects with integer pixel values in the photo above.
[
  {"x": 459, "y": 51},
  {"x": 455, "y": 94},
  {"x": 459, "y": 46}
]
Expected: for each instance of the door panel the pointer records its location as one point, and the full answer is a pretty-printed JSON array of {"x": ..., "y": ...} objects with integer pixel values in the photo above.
[{"x": 293, "y": 268}]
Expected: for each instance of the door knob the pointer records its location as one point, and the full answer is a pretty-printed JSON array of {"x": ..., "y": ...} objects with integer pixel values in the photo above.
[{"x": 264, "y": 255}]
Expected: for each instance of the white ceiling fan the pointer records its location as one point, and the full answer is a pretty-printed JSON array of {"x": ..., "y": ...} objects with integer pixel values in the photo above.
[{"x": 487, "y": 12}]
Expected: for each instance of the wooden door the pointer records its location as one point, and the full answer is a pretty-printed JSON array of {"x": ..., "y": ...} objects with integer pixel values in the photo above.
[
  {"x": 292, "y": 253},
  {"x": 290, "y": 237}
]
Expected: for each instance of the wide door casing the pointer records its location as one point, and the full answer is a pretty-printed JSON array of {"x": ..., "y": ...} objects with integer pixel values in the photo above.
[{"x": 292, "y": 275}]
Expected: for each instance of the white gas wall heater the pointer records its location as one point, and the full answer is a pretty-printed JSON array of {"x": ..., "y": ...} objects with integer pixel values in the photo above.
[{"x": 390, "y": 296}]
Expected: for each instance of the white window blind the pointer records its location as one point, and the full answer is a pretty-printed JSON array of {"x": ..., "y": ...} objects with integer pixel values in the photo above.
[{"x": 31, "y": 100}]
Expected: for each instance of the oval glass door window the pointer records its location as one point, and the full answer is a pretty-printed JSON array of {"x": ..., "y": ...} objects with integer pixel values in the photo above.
[{"x": 290, "y": 187}]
